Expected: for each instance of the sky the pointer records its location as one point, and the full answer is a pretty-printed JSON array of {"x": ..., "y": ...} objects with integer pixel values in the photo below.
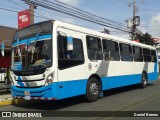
[{"x": 117, "y": 10}]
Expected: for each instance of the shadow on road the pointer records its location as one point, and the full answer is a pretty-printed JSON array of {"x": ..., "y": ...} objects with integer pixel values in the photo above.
[
  {"x": 122, "y": 89},
  {"x": 60, "y": 104}
]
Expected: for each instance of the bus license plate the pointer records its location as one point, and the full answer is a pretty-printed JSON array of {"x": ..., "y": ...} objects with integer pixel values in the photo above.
[{"x": 27, "y": 95}]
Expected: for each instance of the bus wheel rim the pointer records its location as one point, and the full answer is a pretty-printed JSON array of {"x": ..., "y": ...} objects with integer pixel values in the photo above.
[{"x": 94, "y": 89}]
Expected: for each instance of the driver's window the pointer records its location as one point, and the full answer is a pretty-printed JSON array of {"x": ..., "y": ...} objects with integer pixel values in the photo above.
[{"x": 70, "y": 52}]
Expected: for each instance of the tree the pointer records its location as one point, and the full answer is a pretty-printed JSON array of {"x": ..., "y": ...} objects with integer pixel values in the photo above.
[{"x": 145, "y": 39}]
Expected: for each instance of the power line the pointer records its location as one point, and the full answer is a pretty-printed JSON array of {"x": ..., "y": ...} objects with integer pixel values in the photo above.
[
  {"x": 71, "y": 10},
  {"x": 18, "y": 11},
  {"x": 61, "y": 6},
  {"x": 73, "y": 14},
  {"x": 10, "y": 7},
  {"x": 87, "y": 12},
  {"x": 40, "y": 16},
  {"x": 16, "y": 3},
  {"x": 56, "y": 7},
  {"x": 150, "y": 10},
  {"x": 21, "y": 5}
]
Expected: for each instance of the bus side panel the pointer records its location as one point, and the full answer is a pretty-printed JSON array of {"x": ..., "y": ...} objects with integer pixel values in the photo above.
[
  {"x": 120, "y": 81},
  {"x": 71, "y": 88},
  {"x": 153, "y": 75}
]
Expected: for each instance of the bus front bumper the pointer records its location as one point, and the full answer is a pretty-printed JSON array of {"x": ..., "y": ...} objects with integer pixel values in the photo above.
[{"x": 40, "y": 93}]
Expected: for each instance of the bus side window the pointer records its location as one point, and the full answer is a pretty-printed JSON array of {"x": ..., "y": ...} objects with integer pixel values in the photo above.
[
  {"x": 126, "y": 52},
  {"x": 94, "y": 48},
  {"x": 146, "y": 55},
  {"x": 137, "y": 53},
  {"x": 110, "y": 50},
  {"x": 153, "y": 54},
  {"x": 70, "y": 52}
]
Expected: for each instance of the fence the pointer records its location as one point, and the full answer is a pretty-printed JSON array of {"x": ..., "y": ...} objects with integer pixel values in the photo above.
[{"x": 4, "y": 79}]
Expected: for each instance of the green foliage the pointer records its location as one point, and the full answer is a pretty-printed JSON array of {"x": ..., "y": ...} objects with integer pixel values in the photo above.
[{"x": 145, "y": 39}]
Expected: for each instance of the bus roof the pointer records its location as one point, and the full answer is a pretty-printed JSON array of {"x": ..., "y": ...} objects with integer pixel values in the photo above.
[
  {"x": 93, "y": 32},
  {"x": 99, "y": 34}
]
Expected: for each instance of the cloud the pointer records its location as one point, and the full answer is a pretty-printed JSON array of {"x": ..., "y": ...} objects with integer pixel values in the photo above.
[
  {"x": 155, "y": 25},
  {"x": 71, "y": 2}
]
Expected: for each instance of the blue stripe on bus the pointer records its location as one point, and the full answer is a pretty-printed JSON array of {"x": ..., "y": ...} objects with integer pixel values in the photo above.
[
  {"x": 155, "y": 74},
  {"x": 60, "y": 90},
  {"x": 45, "y": 36},
  {"x": 20, "y": 82},
  {"x": 20, "y": 42},
  {"x": 29, "y": 40}
]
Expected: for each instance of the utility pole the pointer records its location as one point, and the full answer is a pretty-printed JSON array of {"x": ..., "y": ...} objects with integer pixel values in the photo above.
[
  {"x": 31, "y": 8},
  {"x": 134, "y": 20}
]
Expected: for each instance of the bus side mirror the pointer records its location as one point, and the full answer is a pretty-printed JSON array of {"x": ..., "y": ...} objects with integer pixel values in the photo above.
[{"x": 2, "y": 49}]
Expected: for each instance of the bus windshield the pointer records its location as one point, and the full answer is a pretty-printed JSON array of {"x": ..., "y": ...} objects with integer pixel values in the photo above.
[
  {"x": 36, "y": 55},
  {"x": 30, "y": 52}
]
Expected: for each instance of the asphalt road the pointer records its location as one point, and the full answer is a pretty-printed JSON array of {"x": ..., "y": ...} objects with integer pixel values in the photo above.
[{"x": 131, "y": 98}]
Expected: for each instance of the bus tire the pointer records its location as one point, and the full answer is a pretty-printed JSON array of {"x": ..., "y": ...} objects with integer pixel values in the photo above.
[
  {"x": 93, "y": 90},
  {"x": 144, "y": 81}
]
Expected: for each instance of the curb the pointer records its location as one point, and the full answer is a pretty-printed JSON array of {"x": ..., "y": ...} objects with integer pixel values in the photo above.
[{"x": 10, "y": 101}]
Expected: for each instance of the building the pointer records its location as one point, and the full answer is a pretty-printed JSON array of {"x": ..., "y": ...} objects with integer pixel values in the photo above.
[{"x": 6, "y": 33}]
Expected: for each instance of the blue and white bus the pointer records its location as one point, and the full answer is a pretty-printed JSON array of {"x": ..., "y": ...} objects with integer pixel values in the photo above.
[{"x": 53, "y": 60}]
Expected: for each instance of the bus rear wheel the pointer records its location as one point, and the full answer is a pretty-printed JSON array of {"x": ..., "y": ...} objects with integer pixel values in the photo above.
[
  {"x": 93, "y": 90},
  {"x": 144, "y": 81}
]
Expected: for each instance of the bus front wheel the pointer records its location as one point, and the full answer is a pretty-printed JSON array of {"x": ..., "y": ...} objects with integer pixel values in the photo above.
[
  {"x": 144, "y": 81},
  {"x": 93, "y": 90}
]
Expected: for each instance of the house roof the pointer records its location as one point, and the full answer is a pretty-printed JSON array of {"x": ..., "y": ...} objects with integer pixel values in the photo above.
[{"x": 6, "y": 33}]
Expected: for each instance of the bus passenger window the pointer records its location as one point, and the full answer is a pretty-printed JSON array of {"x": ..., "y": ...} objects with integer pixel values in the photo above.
[
  {"x": 137, "y": 53},
  {"x": 70, "y": 52},
  {"x": 126, "y": 52},
  {"x": 147, "y": 55},
  {"x": 94, "y": 48},
  {"x": 110, "y": 50},
  {"x": 153, "y": 54}
]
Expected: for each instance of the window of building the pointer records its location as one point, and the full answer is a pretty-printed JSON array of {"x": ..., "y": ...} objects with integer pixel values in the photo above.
[
  {"x": 137, "y": 53},
  {"x": 70, "y": 52},
  {"x": 153, "y": 55},
  {"x": 126, "y": 52},
  {"x": 146, "y": 55},
  {"x": 110, "y": 50},
  {"x": 94, "y": 48}
]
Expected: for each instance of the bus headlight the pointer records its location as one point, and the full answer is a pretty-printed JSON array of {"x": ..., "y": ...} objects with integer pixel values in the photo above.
[{"x": 50, "y": 78}]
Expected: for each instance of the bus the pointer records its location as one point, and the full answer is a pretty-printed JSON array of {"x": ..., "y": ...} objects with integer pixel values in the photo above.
[{"x": 53, "y": 60}]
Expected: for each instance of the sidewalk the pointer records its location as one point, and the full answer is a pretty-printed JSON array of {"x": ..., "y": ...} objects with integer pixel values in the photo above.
[{"x": 6, "y": 98}]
